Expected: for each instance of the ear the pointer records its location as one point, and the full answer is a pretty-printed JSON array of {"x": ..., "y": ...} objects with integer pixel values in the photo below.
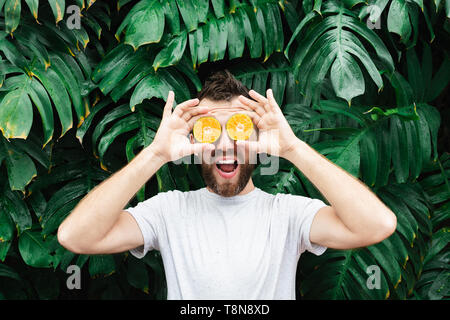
[{"x": 191, "y": 138}]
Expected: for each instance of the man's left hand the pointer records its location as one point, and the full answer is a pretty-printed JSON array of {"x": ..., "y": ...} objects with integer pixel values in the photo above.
[{"x": 275, "y": 135}]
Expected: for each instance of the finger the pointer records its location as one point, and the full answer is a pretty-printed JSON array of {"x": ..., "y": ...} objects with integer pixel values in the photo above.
[
  {"x": 169, "y": 104},
  {"x": 193, "y": 119},
  {"x": 272, "y": 102},
  {"x": 186, "y": 104},
  {"x": 258, "y": 97},
  {"x": 263, "y": 101},
  {"x": 256, "y": 119},
  {"x": 194, "y": 111},
  {"x": 255, "y": 106}
]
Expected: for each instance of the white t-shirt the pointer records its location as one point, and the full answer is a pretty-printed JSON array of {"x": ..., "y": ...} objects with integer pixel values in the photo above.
[{"x": 214, "y": 247}]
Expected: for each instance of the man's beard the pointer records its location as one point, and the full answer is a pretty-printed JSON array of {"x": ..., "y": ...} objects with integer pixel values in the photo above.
[{"x": 227, "y": 189}]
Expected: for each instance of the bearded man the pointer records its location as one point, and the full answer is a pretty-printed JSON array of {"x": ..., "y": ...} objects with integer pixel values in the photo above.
[{"x": 229, "y": 240}]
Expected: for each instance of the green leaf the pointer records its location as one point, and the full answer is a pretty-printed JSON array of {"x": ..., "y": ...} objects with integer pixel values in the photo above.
[
  {"x": 42, "y": 102},
  {"x": 188, "y": 11},
  {"x": 433, "y": 119},
  {"x": 351, "y": 3},
  {"x": 202, "y": 7},
  {"x": 346, "y": 77},
  {"x": 81, "y": 131},
  {"x": 58, "y": 8},
  {"x": 71, "y": 85},
  {"x": 137, "y": 274},
  {"x": 6, "y": 224},
  {"x": 65, "y": 198},
  {"x": 6, "y": 271},
  {"x": 440, "y": 80},
  {"x": 113, "y": 115},
  {"x": 219, "y": 8},
  {"x": 398, "y": 19},
  {"x": 101, "y": 265},
  {"x": 172, "y": 53},
  {"x": 146, "y": 25},
  {"x": 264, "y": 20},
  {"x": 236, "y": 36},
  {"x": 21, "y": 169},
  {"x": 32, "y": 147},
  {"x": 218, "y": 34},
  {"x": 440, "y": 240},
  {"x": 34, "y": 6},
  {"x": 149, "y": 87},
  {"x": 140, "y": 71},
  {"x": 16, "y": 112},
  {"x": 400, "y": 157},
  {"x": 35, "y": 250},
  {"x": 164, "y": 178},
  {"x": 345, "y": 153},
  {"x": 202, "y": 42},
  {"x": 58, "y": 94},
  {"x": 12, "y": 15},
  {"x": 440, "y": 287},
  {"x": 253, "y": 35},
  {"x": 298, "y": 29},
  {"x": 38, "y": 203},
  {"x": 369, "y": 157},
  {"x": 333, "y": 42},
  {"x": 172, "y": 16}
]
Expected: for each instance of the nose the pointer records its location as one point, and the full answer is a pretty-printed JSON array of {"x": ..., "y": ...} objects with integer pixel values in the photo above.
[{"x": 225, "y": 145}]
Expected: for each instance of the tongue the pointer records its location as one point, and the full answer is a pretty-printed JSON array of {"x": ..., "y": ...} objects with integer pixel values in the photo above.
[{"x": 226, "y": 167}]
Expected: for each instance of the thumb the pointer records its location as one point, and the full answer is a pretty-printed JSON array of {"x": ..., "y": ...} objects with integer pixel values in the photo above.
[{"x": 169, "y": 104}]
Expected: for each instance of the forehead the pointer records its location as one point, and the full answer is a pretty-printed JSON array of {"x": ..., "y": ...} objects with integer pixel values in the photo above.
[{"x": 223, "y": 109}]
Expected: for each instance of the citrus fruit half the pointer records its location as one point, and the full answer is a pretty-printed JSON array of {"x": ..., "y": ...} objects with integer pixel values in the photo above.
[
  {"x": 239, "y": 126},
  {"x": 207, "y": 130}
]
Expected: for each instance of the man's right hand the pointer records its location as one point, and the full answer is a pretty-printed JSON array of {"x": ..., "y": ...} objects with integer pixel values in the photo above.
[
  {"x": 171, "y": 141},
  {"x": 99, "y": 224}
]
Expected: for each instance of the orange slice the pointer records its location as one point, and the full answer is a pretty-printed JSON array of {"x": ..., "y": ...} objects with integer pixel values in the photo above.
[
  {"x": 207, "y": 130},
  {"x": 239, "y": 126}
]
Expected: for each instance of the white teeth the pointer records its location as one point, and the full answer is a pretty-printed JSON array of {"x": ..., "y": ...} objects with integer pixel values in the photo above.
[{"x": 225, "y": 162}]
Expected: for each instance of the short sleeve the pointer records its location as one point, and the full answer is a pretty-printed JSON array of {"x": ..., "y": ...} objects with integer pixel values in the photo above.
[
  {"x": 302, "y": 211},
  {"x": 149, "y": 219}
]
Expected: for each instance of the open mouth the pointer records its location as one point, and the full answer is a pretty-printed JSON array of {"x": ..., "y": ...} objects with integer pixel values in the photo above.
[{"x": 227, "y": 168}]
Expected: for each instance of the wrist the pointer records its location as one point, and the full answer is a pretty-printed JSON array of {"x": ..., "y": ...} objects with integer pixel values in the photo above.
[
  {"x": 147, "y": 162},
  {"x": 144, "y": 165},
  {"x": 290, "y": 151},
  {"x": 155, "y": 154},
  {"x": 304, "y": 157}
]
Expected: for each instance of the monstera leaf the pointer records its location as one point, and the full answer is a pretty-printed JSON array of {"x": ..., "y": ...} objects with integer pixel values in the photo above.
[
  {"x": 12, "y": 10},
  {"x": 330, "y": 45},
  {"x": 36, "y": 73},
  {"x": 403, "y": 17},
  {"x": 17, "y": 155}
]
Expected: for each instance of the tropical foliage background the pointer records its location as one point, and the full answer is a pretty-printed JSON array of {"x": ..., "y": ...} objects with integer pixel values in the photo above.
[{"x": 363, "y": 82}]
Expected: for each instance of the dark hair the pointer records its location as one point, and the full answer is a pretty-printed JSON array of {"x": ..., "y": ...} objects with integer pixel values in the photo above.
[{"x": 222, "y": 85}]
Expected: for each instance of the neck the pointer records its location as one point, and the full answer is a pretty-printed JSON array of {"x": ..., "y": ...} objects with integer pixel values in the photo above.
[{"x": 248, "y": 188}]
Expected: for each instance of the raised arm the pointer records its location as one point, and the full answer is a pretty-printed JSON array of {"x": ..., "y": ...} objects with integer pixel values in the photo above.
[
  {"x": 356, "y": 217},
  {"x": 98, "y": 224}
]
